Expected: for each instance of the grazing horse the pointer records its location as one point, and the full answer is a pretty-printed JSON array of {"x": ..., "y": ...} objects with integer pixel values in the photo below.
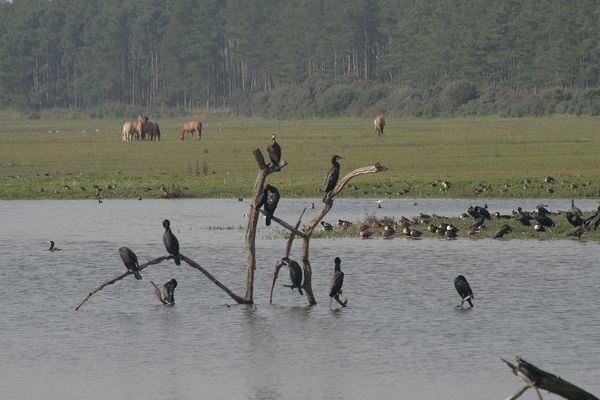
[
  {"x": 128, "y": 131},
  {"x": 192, "y": 126},
  {"x": 379, "y": 124},
  {"x": 146, "y": 129}
]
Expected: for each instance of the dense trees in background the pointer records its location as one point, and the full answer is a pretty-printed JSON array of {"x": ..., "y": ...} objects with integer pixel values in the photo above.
[{"x": 212, "y": 53}]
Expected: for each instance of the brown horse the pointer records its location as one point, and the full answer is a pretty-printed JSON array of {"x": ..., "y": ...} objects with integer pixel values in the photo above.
[
  {"x": 192, "y": 126},
  {"x": 146, "y": 129},
  {"x": 379, "y": 124}
]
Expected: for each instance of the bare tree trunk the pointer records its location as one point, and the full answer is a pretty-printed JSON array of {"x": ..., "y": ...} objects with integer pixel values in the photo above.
[
  {"x": 535, "y": 378},
  {"x": 259, "y": 184},
  {"x": 309, "y": 229}
]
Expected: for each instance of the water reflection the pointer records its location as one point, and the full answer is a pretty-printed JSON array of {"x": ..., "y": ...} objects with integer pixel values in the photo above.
[{"x": 401, "y": 335}]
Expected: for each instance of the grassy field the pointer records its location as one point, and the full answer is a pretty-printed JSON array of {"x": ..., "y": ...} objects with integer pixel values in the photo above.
[{"x": 488, "y": 157}]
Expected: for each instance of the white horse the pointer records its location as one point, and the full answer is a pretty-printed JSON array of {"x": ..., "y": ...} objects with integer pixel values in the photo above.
[{"x": 128, "y": 132}]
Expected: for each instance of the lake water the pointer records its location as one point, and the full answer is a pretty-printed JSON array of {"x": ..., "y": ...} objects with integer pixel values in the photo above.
[{"x": 400, "y": 338}]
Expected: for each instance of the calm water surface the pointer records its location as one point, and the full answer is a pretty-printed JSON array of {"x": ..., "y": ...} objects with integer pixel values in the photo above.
[{"x": 400, "y": 338}]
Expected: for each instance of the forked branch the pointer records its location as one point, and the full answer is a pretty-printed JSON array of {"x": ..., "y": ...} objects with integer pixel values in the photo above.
[
  {"x": 537, "y": 378},
  {"x": 118, "y": 278}
]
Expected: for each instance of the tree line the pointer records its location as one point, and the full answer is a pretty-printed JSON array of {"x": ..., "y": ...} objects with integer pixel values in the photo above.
[{"x": 189, "y": 54}]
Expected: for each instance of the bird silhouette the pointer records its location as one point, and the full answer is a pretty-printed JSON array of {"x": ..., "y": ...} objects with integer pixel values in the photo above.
[
  {"x": 131, "y": 262},
  {"x": 337, "y": 280},
  {"x": 464, "y": 290},
  {"x": 332, "y": 176},
  {"x": 274, "y": 150},
  {"x": 171, "y": 242}
]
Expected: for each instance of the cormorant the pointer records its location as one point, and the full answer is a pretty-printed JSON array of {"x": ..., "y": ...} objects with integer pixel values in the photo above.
[
  {"x": 337, "y": 280},
  {"x": 464, "y": 290},
  {"x": 52, "y": 248},
  {"x": 504, "y": 229},
  {"x": 574, "y": 219},
  {"x": 270, "y": 199},
  {"x": 274, "y": 150},
  {"x": 332, "y": 176},
  {"x": 171, "y": 242},
  {"x": 168, "y": 291},
  {"x": 295, "y": 274},
  {"x": 130, "y": 260}
]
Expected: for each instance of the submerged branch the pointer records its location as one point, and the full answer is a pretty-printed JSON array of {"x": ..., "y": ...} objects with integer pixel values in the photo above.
[
  {"x": 537, "y": 378},
  {"x": 118, "y": 278},
  {"x": 157, "y": 293}
]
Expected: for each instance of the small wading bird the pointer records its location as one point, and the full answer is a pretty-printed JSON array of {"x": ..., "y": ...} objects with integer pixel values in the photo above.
[
  {"x": 130, "y": 260},
  {"x": 274, "y": 151},
  {"x": 337, "y": 281},
  {"x": 464, "y": 290},
  {"x": 270, "y": 199},
  {"x": 295, "y": 274},
  {"x": 168, "y": 291},
  {"x": 332, "y": 176},
  {"x": 171, "y": 242},
  {"x": 52, "y": 248}
]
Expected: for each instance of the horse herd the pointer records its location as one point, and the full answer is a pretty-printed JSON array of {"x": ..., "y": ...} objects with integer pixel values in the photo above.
[{"x": 146, "y": 129}]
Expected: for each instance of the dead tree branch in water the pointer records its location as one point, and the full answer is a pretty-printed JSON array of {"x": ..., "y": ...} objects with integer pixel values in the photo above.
[
  {"x": 309, "y": 229},
  {"x": 288, "y": 249},
  {"x": 263, "y": 171},
  {"x": 157, "y": 293},
  {"x": 537, "y": 378},
  {"x": 118, "y": 278}
]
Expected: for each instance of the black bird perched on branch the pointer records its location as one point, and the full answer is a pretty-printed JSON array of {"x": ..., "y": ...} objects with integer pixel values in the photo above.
[
  {"x": 332, "y": 176},
  {"x": 131, "y": 262},
  {"x": 337, "y": 280},
  {"x": 168, "y": 291},
  {"x": 52, "y": 248},
  {"x": 295, "y": 274},
  {"x": 270, "y": 199},
  {"x": 464, "y": 290},
  {"x": 274, "y": 150},
  {"x": 504, "y": 229},
  {"x": 171, "y": 242}
]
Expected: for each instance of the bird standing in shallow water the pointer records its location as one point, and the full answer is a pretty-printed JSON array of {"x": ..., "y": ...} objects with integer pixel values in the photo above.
[
  {"x": 332, "y": 176},
  {"x": 130, "y": 260},
  {"x": 168, "y": 291},
  {"x": 171, "y": 242},
  {"x": 337, "y": 280},
  {"x": 274, "y": 150},
  {"x": 464, "y": 290}
]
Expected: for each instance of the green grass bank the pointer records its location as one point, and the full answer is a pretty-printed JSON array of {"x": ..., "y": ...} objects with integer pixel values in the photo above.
[{"x": 491, "y": 157}]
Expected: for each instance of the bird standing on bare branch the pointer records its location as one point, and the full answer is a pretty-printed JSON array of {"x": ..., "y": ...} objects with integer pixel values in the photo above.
[
  {"x": 171, "y": 242},
  {"x": 274, "y": 150},
  {"x": 295, "y": 274},
  {"x": 130, "y": 260},
  {"x": 337, "y": 280},
  {"x": 332, "y": 176}
]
